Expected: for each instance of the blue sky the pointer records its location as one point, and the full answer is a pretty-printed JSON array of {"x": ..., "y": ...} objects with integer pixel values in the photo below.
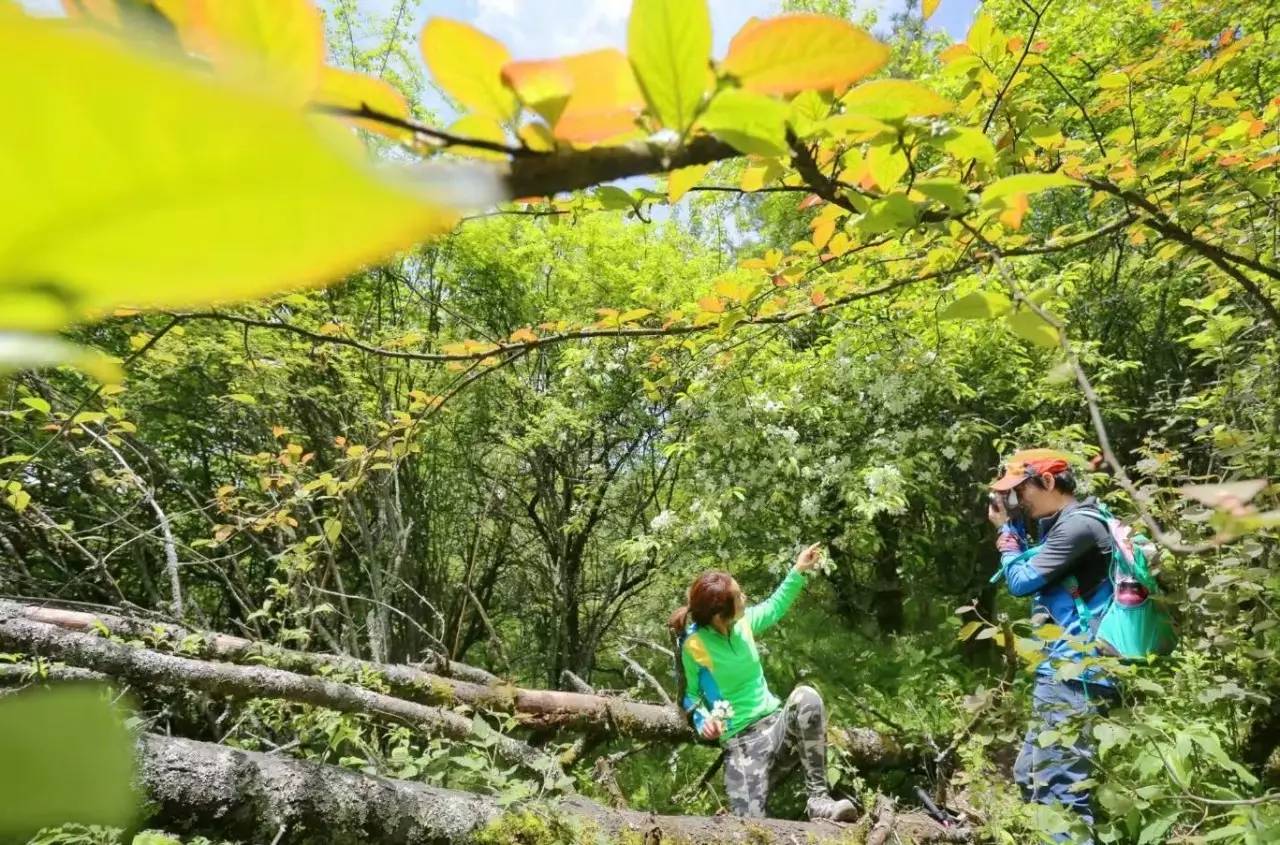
[{"x": 540, "y": 28}]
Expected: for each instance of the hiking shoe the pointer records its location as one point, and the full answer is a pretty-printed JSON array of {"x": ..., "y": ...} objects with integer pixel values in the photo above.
[{"x": 843, "y": 810}]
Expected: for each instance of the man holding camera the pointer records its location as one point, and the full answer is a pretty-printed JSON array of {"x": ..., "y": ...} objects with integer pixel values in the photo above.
[{"x": 1066, "y": 575}]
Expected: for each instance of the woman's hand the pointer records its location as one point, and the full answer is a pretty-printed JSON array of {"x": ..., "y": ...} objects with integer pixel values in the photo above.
[
  {"x": 712, "y": 728},
  {"x": 808, "y": 559}
]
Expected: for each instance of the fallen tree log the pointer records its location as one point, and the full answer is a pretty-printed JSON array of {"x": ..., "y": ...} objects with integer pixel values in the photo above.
[
  {"x": 534, "y": 708},
  {"x": 238, "y": 649},
  {"x": 153, "y": 668},
  {"x": 199, "y": 788}
]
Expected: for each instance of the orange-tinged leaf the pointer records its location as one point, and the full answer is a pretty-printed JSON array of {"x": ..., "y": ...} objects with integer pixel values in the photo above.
[
  {"x": 792, "y": 53},
  {"x": 711, "y": 304},
  {"x": 468, "y": 65},
  {"x": 347, "y": 90},
  {"x": 818, "y": 298},
  {"x": 810, "y": 201},
  {"x": 273, "y": 44},
  {"x": 954, "y": 52},
  {"x": 1229, "y": 161},
  {"x": 605, "y": 99},
  {"x": 543, "y": 85},
  {"x": 1015, "y": 44},
  {"x": 1016, "y": 206}
]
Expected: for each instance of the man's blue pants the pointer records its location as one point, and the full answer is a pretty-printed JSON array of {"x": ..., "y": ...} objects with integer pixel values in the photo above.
[{"x": 1046, "y": 774}]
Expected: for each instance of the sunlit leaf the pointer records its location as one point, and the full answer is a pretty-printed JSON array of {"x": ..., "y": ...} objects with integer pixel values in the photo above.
[
  {"x": 680, "y": 181},
  {"x": 344, "y": 89},
  {"x": 928, "y": 7},
  {"x": 895, "y": 99},
  {"x": 894, "y": 212},
  {"x": 605, "y": 99},
  {"x": 751, "y": 123},
  {"x": 275, "y": 45},
  {"x": 480, "y": 128},
  {"x": 979, "y": 305},
  {"x": 949, "y": 192},
  {"x": 1029, "y": 325},
  {"x": 68, "y": 757},
  {"x": 887, "y": 162},
  {"x": 966, "y": 143},
  {"x": 468, "y": 64},
  {"x": 1027, "y": 183},
  {"x": 543, "y": 85},
  {"x": 790, "y": 53},
  {"x": 132, "y": 173},
  {"x": 669, "y": 44}
]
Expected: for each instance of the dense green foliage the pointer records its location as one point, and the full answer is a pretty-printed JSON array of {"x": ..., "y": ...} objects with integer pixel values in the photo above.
[{"x": 329, "y": 487}]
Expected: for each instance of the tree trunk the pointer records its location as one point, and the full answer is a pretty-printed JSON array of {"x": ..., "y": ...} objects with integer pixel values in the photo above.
[
  {"x": 889, "y": 597},
  {"x": 198, "y": 788}
]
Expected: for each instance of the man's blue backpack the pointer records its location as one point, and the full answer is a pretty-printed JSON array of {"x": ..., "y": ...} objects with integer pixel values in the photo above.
[{"x": 1134, "y": 626}]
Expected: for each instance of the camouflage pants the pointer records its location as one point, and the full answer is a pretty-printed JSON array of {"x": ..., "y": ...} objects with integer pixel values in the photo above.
[{"x": 761, "y": 754}]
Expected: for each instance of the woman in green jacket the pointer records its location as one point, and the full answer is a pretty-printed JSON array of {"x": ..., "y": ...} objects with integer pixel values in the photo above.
[{"x": 725, "y": 694}]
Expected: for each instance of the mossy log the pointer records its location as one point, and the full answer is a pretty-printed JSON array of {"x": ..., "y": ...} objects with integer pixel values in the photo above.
[{"x": 221, "y": 792}]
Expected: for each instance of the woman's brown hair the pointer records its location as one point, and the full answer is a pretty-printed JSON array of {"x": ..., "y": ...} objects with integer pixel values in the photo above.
[{"x": 712, "y": 593}]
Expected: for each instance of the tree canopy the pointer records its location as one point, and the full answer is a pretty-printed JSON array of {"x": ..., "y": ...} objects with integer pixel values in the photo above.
[{"x": 376, "y": 392}]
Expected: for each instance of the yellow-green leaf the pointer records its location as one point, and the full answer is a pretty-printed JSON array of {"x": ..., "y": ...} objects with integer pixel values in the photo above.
[
  {"x": 467, "y": 64},
  {"x": 887, "y": 162},
  {"x": 36, "y": 403},
  {"x": 1113, "y": 80},
  {"x": 895, "y": 99},
  {"x": 358, "y": 91},
  {"x": 949, "y": 192},
  {"x": 979, "y": 305},
  {"x": 928, "y": 7},
  {"x": 966, "y": 142},
  {"x": 275, "y": 45},
  {"x": 480, "y": 128},
  {"x": 669, "y": 44},
  {"x": 981, "y": 33},
  {"x": 752, "y": 123},
  {"x": 968, "y": 630},
  {"x": 1027, "y": 183},
  {"x": 1029, "y": 325},
  {"x": 68, "y": 757},
  {"x": 680, "y": 181},
  {"x": 133, "y": 172},
  {"x": 790, "y": 53}
]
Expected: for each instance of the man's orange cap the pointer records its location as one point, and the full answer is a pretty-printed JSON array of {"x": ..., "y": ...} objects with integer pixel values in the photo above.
[{"x": 1030, "y": 462}]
